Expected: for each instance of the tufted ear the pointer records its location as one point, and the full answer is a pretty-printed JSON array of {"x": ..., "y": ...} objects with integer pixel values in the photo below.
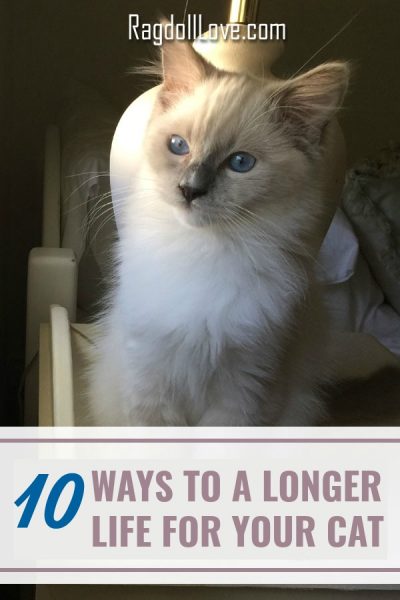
[
  {"x": 183, "y": 68},
  {"x": 308, "y": 102}
]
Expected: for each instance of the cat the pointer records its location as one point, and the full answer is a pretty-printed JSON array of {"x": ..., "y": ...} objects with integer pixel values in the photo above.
[{"x": 215, "y": 318}]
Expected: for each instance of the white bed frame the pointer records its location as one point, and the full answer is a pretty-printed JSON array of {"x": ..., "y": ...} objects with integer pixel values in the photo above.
[{"x": 52, "y": 280}]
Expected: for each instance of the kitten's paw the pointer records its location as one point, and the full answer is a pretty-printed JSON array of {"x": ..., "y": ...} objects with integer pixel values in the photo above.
[
  {"x": 155, "y": 418},
  {"x": 304, "y": 409},
  {"x": 221, "y": 417}
]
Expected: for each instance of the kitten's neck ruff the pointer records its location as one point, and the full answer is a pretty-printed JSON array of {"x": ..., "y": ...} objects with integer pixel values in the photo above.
[
  {"x": 164, "y": 237},
  {"x": 174, "y": 277},
  {"x": 257, "y": 244}
]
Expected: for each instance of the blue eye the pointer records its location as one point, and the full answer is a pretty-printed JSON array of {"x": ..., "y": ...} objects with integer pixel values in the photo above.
[
  {"x": 241, "y": 162},
  {"x": 178, "y": 145}
]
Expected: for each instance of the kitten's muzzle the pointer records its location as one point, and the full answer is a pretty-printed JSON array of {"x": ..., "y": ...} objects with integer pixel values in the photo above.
[
  {"x": 196, "y": 181},
  {"x": 190, "y": 193}
]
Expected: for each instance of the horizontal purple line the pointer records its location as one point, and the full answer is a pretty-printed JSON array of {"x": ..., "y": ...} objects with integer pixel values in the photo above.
[
  {"x": 201, "y": 570},
  {"x": 201, "y": 440}
]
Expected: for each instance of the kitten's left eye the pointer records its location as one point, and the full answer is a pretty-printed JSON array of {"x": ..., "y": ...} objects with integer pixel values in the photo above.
[
  {"x": 178, "y": 145},
  {"x": 241, "y": 162}
]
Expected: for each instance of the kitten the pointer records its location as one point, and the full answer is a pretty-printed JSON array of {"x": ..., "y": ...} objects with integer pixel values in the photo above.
[{"x": 215, "y": 317}]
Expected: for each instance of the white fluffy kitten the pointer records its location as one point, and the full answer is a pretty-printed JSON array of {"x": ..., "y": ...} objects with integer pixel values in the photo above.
[{"x": 214, "y": 319}]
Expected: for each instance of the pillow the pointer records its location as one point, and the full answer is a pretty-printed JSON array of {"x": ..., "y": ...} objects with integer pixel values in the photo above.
[{"x": 371, "y": 200}]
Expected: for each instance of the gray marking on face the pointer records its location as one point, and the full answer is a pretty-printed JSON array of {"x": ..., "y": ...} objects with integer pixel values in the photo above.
[{"x": 197, "y": 180}]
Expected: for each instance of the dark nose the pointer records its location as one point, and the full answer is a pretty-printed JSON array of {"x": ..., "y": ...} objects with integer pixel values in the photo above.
[
  {"x": 196, "y": 181},
  {"x": 190, "y": 193}
]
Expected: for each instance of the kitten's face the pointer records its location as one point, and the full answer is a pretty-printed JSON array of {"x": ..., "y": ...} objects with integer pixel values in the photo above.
[{"x": 225, "y": 149}]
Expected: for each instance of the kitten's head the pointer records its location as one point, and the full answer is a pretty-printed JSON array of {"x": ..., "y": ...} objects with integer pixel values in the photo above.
[{"x": 224, "y": 147}]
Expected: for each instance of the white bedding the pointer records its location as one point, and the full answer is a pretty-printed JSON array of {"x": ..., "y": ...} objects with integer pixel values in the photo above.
[{"x": 352, "y": 296}]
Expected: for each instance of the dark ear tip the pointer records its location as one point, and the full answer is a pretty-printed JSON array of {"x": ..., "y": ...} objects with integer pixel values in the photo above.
[
  {"x": 343, "y": 74},
  {"x": 345, "y": 67},
  {"x": 342, "y": 69},
  {"x": 161, "y": 18}
]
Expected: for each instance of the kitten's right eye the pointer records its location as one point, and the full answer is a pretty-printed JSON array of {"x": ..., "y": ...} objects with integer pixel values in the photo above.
[
  {"x": 241, "y": 162},
  {"x": 178, "y": 145}
]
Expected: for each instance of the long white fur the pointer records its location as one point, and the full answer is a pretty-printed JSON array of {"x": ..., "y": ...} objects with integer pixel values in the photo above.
[{"x": 214, "y": 318}]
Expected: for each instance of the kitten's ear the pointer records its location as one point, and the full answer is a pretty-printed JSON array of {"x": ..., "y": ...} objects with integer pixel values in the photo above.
[
  {"x": 183, "y": 68},
  {"x": 308, "y": 102}
]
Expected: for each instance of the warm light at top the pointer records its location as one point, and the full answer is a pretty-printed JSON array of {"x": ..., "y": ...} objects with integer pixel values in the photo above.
[{"x": 243, "y": 11}]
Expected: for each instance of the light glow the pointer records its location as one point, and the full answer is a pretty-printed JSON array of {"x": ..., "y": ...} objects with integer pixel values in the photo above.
[{"x": 243, "y": 11}]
